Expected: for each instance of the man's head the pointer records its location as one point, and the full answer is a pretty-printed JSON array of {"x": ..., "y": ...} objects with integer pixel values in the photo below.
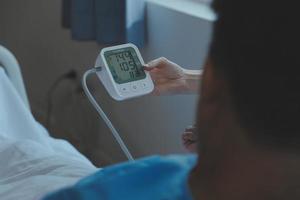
[
  {"x": 249, "y": 112},
  {"x": 256, "y": 46}
]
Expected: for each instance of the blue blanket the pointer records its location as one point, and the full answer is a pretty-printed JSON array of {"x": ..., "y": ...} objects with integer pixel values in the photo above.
[{"x": 154, "y": 178}]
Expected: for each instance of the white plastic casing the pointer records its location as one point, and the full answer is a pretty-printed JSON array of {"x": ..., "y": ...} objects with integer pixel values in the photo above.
[{"x": 123, "y": 91}]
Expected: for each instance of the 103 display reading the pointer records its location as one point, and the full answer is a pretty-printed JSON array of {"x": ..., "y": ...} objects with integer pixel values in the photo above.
[
  {"x": 124, "y": 65},
  {"x": 127, "y": 64}
]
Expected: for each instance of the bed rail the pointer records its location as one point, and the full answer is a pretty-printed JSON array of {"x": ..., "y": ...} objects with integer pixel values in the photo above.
[{"x": 13, "y": 71}]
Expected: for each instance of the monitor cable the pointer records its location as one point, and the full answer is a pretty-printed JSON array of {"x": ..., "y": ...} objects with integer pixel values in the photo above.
[{"x": 102, "y": 113}]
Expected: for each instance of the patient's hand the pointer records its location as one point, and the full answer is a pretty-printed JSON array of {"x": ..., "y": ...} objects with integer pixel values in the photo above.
[
  {"x": 189, "y": 139},
  {"x": 170, "y": 78}
]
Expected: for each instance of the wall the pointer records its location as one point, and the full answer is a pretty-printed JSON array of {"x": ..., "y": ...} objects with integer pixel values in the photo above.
[
  {"x": 149, "y": 125},
  {"x": 31, "y": 29}
]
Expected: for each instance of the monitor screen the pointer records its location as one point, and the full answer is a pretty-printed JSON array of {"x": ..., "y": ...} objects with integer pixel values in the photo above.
[{"x": 124, "y": 65}]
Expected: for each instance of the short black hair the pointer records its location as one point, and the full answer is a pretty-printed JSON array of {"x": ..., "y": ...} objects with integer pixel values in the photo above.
[{"x": 256, "y": 45}]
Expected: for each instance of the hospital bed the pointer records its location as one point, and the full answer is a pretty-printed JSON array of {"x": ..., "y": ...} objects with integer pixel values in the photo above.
[
  {"x": 32, "y": 163},
  {"x": 13, "y": 71}
]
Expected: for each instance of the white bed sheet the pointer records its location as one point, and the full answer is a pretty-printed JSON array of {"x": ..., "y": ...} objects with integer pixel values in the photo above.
[{"x": 31, "y": 162}]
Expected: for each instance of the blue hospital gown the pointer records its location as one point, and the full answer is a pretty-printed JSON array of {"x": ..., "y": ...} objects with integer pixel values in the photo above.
[{"x": 153, "y": 178}]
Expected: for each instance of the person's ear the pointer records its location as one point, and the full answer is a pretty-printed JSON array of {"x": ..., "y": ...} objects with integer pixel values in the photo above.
[
  {"x": 213, "y": 85},
  {"x": 214, "y": 115}
]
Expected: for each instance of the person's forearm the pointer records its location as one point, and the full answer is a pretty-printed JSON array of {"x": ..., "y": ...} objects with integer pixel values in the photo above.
[{"x": 193, "y": 78}]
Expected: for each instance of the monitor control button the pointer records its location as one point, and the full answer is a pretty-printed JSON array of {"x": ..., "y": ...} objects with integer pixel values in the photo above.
[
  {"x": 134, "y": 88},
  {"x": 124, "y": 89},
  {"x": 144, "y": 85}
]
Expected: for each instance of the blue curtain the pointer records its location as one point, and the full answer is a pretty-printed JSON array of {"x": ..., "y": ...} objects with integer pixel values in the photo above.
[{"x": 106, "y": 21}]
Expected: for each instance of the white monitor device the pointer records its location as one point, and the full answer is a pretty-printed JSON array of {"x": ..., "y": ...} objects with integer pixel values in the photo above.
[{"x": 122, "y": 72}]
